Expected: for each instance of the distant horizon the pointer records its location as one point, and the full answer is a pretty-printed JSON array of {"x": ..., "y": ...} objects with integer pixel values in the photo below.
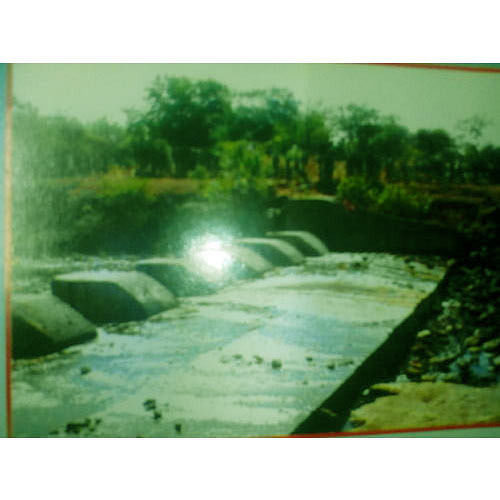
[{"x": 419, "y": 98}]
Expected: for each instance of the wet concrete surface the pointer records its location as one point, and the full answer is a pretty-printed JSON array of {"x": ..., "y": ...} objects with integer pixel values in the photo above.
[{"x": 251, "y": 360}]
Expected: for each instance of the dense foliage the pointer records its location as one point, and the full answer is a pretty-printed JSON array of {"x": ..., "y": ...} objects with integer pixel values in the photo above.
[{"x": 240, "y": 147}]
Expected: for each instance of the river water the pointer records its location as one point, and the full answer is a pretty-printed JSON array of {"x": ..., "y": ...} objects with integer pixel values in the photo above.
[{"x": 253, "y": 359}]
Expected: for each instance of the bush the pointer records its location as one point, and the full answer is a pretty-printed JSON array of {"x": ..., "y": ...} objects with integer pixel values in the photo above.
[
  {"x": 243, "y": 176},
  {"x": 355, "y": 191},
  {"x": 200, "y": 172},
  {"x": 396, "y": 200}
]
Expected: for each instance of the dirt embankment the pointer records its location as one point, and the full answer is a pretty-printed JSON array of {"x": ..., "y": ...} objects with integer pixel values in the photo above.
[{"x": 452, "y": 373}]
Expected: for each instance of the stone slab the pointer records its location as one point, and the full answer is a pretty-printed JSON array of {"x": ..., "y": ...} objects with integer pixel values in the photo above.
[
  {"x": 42, "y": 324},
  {"x": 180, "y": 276},
  {"x": 113, "y": 296},
  {"x": 277, "y": 252},
  {"x": 308, "y": 244},
  {"x": 247, "y": 263}
]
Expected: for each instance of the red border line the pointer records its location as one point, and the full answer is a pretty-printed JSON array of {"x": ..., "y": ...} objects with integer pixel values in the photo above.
[
  {"x": 452, "y": 67},
  {"x": 8, "y": 240},
  {"x": 393, "y": 431}
]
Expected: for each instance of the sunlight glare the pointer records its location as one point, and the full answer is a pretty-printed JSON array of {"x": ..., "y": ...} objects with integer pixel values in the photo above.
[{"x": 211, "y": 257}]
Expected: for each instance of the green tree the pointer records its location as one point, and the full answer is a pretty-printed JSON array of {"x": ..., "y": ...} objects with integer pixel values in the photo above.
[
  {"x": 152, "y": 155},
  {"x": 436, "y": 155},
  {"x": 260, "y": 115},
  {"x": 191, "y": 116},
  {"x": 391, "y": 150},
  {"x": 481, "y": 165},
  {"x": 267, "y": 117},
  {"x": 314, "y": 139},
  {"x": 473, "y": 162},
  {"x": 368, "y": 141}
]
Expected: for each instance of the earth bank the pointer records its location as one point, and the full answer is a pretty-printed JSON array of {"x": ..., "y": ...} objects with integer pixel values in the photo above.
[{"x": 451, "y": 374}]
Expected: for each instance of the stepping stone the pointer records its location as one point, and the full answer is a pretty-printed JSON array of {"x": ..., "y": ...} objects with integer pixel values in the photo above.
[
  {"x": 113, "y": 296},
  {"x": 182, "y": 277},
  {"x": 277, "y": 252},
  {"x": 305, "y": 242},
  {"x": 247, "y": 263},
  {"x": 41, "y": 324}
]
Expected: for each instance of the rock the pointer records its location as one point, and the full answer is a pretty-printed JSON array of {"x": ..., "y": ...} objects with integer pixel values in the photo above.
[
  {"x": 277, "y": 252},
  {"x": 481, "y": 371},
  {"x": 492, "y": 345},
  {"x": 423, "y": 333},
  {"x": 466, "y": 359},
  {"x": 450, "y": 377},
  {"x": 149, "y": 404},
  {"x": 345, "y": 362},
  {"x": 276, "y": 364},
  {"x": 450, "y": 304},
  {"x": 42, "y": 324},
  {"x": 471, "y": 341},
  {"x": 418, "y": 347},
  {"x": 386, "y": 389},
  {"x": 443, "y": 359},
  {"x": 113, "y": 296},
  {"x": 474, "y": 349},
  {"x": 179, "y": 276},
  {"x": 87, "y": 424},
  {"x": 308, "y": 244},
  {"x": 428, "y": 404},
  {"x": 484, "y": 333}
]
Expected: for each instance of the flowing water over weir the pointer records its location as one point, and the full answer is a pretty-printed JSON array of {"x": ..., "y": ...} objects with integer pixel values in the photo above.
[{"x": 255, "y": 358}]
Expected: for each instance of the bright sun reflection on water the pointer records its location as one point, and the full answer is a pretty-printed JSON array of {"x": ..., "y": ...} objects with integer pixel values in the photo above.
[{"x": 211, "y": 257}]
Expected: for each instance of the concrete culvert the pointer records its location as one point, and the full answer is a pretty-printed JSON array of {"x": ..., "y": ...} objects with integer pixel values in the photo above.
[
  {"x": 308, "y": 244},
  {"x": 277, "y": 252},
  {"x": 113, "y": 296},
  {"x": 178, "y": 276},
  {"x": 42, "y": 324},
  {"x": 248, "y": 263}
]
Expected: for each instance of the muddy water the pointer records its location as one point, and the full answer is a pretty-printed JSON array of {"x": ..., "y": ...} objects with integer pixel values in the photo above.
[{"x": 251, "y": 360}]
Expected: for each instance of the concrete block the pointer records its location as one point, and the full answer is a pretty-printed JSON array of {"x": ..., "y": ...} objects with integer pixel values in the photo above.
[
  {"x": 113, "y": 296},
  {"x": 247, "y": 263},
  {"x": 277, "y": 252},
  {"x": 182, "y": 277},
  {"x": 305, "y": 242},
  {"x": 41, "y": 324}
]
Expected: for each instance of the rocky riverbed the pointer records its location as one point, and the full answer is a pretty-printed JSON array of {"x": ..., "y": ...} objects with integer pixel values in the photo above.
[{"x": 452, "y": 373}]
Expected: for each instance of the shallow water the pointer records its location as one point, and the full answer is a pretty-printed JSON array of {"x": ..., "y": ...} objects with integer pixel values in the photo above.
[{"x": 253, "y": 359}]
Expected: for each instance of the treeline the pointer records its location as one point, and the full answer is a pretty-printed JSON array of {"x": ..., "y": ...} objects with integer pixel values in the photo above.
[
  {"x": 202, "y": 129},
  {"x": 105, "y": 187}
]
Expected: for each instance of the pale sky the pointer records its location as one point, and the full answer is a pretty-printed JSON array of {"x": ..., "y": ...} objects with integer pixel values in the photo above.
[{"x": 421, "y": 98}]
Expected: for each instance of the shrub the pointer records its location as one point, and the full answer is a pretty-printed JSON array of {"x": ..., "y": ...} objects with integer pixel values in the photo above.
[
  {"x": 396, "y": 200},
  {"x": 244, "y": 174},
  {"x": 357, "y": 192}
]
